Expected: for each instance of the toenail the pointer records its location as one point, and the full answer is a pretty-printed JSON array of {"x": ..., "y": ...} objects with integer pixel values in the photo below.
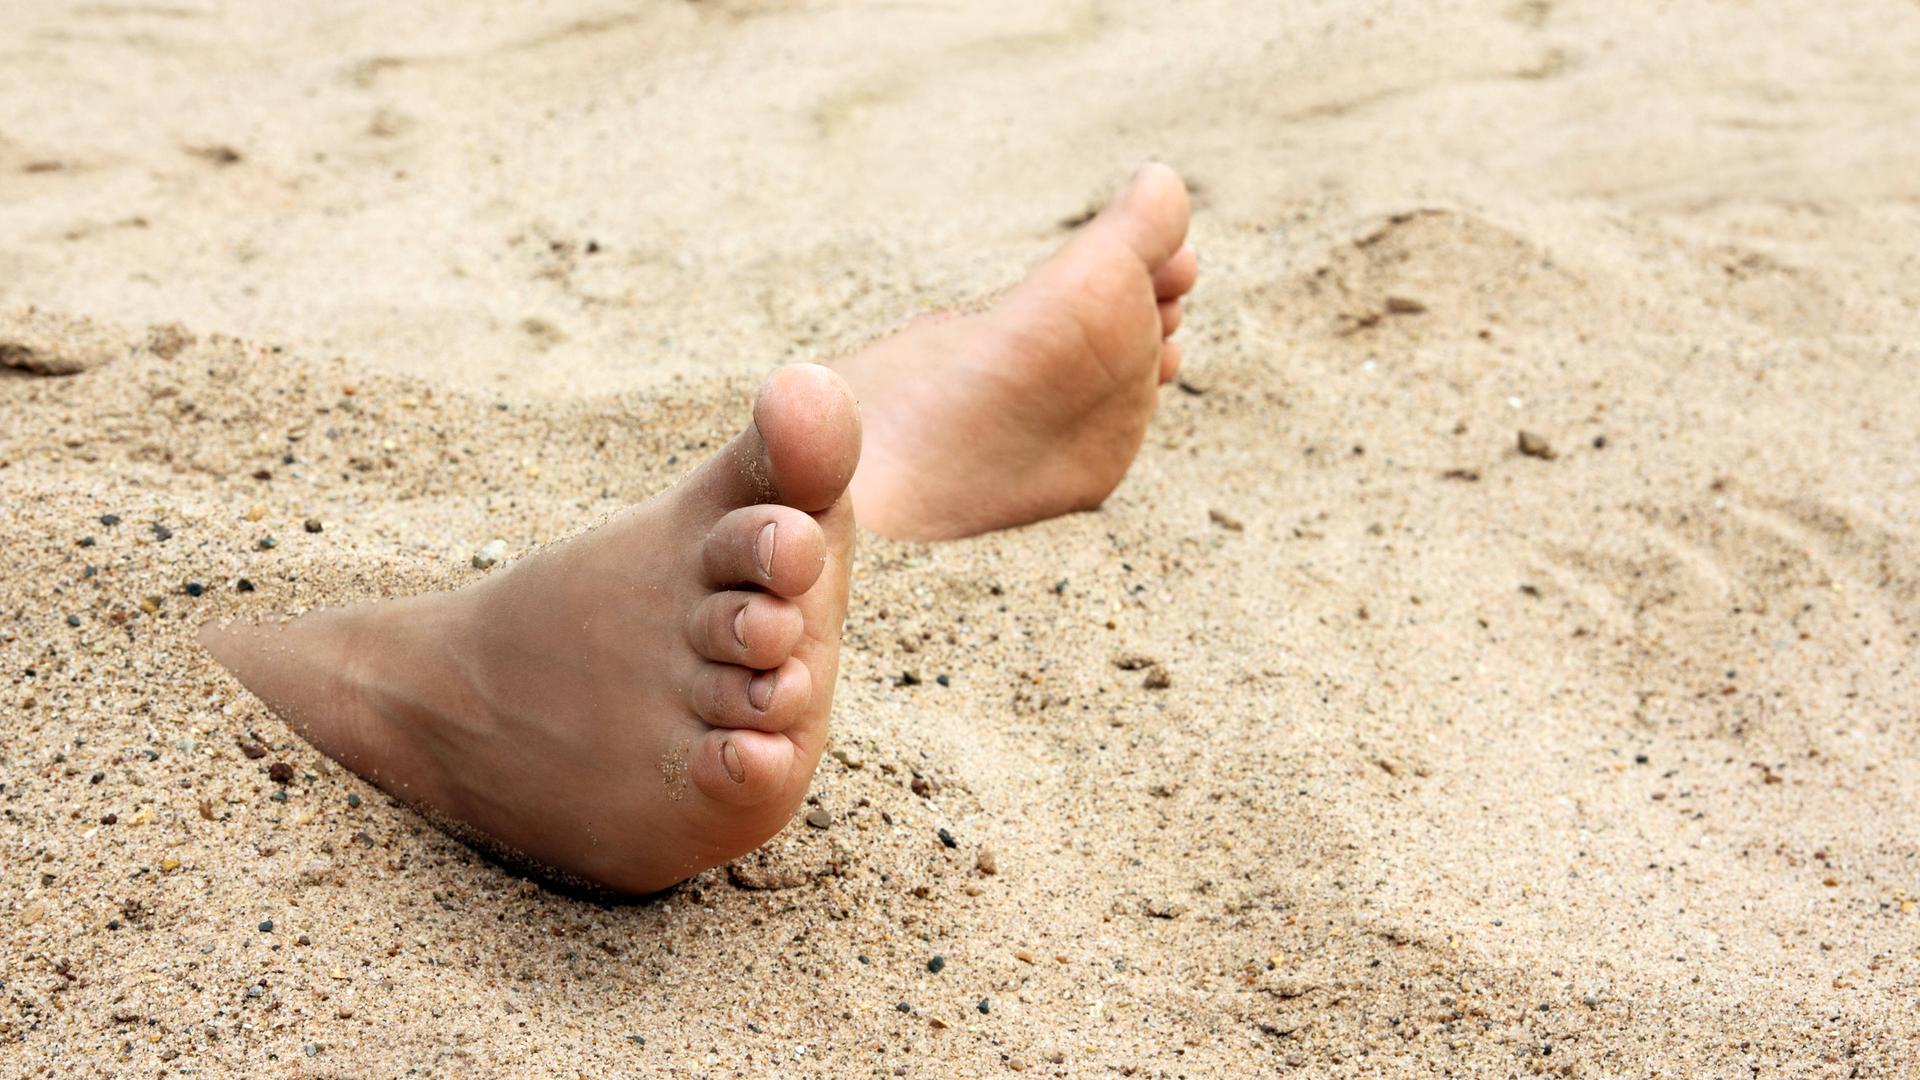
[
  {"x": 740, "y": 626},
  {"x": 763, "y": 550},
  {"x": 731, "y": 759},
  {"x": 760, "y": 690}
]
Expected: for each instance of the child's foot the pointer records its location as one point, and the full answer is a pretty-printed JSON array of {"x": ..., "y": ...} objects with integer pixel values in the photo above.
[
  {"x": 1036, "y": 406},
  {"x": 630, "y": 707}
]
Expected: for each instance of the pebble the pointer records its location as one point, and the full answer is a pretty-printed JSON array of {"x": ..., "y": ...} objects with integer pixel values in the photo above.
[
  {"x": 947, "y": 839},
  {"x": 904, "y": 1007},
  {"x": 255, "y": 512},
  {"x": 943, "y": 680},
  {"x": 161, "y": 532},
  {"x": 280, "y": 772},
  {"x": 489, "y": 554},
  {"x": 266, "y": 926},
  {"x": 985, "y": 1006},
  {"x": 73, "y": 620},
  {"x": 937, "y": 964},
  {"x": 313, "y": 525},
  {"x": 243, "y": 585},
  {"x": 266, "y": 543},
  {"x": 1157, "y": 678},
  {"x": 195, "y": 588},
  {"x": 1536, "y": 446},
  {"x": 1226, "y": 521},
  {"x": 109, "y": 520},
  {"x": 353, "y": 801},
  {"x": 819, "y": 819},
  {"x": 109, "y": 819},
  {"x": 986, "y": 862}
]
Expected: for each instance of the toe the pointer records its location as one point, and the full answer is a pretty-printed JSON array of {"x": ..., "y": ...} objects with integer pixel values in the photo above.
[
  {"x": 800, "y": 450},
  {"x": 1150, "y": 215},
  {"x": 1169, "y": 361},
  {"x": 1176, "y": 278},
  {"x": 743, "y": 768},
  {"x": 730, "y": 696},
  {"x": 1169, "y": 317},
  {"x": 778, "y": 548},
  {"x": 747, "y": 628}
]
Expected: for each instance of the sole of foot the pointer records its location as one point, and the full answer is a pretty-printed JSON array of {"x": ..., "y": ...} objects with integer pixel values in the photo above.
[
  {"x": 1036, "y": 406},
  {"x": 628, "y": 707}
]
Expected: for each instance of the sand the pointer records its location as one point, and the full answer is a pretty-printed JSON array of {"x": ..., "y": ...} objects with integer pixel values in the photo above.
[{"x": 1346, "y": 739}]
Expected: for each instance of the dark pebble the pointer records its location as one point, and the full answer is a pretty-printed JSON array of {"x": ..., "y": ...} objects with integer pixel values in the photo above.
[
  {"x": 1599, "y": 442},
  {"x": 279, "y": 795},
  {"x": 353, "y": 801},
  {"x": 985, "y": 1006},
  {"x": 243, "y": 585},
  {"x": 819, "y": 819},
  {"x": 86, "y": 541},
  {"x": 637, "y": 1040},
  {"x": 266, "y": 926},
  {"x": 161, "y": 532},
  {"x": 313, "y": 525},
  {"x": 864, "y": 959},
  {"x": 73, "y": 620},
  {"x": 947, "y": 839},
  {"x": 936, "y": 964},
  {"x": 194, "y": 588},
  {"x": 96, "y": 778},
  {"x": 907, "y": 678},
  {"x": 109, "y": 520},
  {"x": 113, "y": 924},
  {"x": 904, "y": 1007},
  {"x": 109, "y": 819},
  {"x": 1639, "y": 759},
  {"x": 266, "y": 543},
  {"x": 943, "y": 680},
  {"x": 280, "y": 772}
]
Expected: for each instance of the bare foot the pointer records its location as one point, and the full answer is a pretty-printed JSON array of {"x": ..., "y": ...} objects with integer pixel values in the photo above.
[
  {"x": 1036, "y": 406},
  {"x": 630, "y": 707}
]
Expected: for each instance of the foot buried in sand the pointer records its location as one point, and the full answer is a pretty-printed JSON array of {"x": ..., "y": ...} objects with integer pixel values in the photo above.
[
  {"x": 629, "y": 707},
  {"x": 1036, "y": 406}
]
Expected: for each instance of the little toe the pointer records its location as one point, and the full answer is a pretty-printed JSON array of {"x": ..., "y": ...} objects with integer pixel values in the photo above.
[
  {"x": 778, "y": 548},
  {"x": 730, "y": 696},
  {"x": 751, "y": 629},
  {"x": 742, "y": 768},
  {"x": 1175, "y": 279},
  {"x": 1169, "y": 317},
  {"x": 1169, "y": 361}
]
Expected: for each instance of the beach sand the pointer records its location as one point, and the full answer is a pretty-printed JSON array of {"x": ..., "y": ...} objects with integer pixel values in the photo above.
[{"x": 1347, "y": 738}]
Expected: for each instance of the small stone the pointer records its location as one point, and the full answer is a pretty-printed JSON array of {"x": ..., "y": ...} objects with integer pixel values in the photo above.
[
  {"x": 1157, "y": 678},
  {"x": 904, "y": 1007},
  {"x": 109, "y": 520},
  {"x": 73, "y": 620},
  {"x": 353, "y": 800},
  {"x": 266, "y": 543},
  {"x": 850, "y": 758},
  {"x": 169, "y": 864},
  {"x": 922, "y": 787},
  {"x": 1404, "y": 305},
  {"x": 490, "y": 554},
  {"x": 947, "y": 839},
  {"x": 1226, "y": 521},
  {"x": 87, "y": 541},
  {"x": 109, "y": 819},
  {"x": 1536, "y": 446},
  {"x": 161, "y": 532},
  {"x": 280, "y": 772},
  {"x": 243, "y": 585},
  {"x": 150, "y": 605},
  {"x": 195, "y": 588},
  {"x": 987, "y": 862},
  {"x": 266, "y": 926},
  {"x": 819, "y": 819},
  {"x": 279, "y": 795},
  {"x": 943, "y": 680},
  {"x": 937, "y": 964},
  {"x": 985, "y": 1006},
  {"x": 313, "y": 525},
  {"x": 255, "y": 512}
]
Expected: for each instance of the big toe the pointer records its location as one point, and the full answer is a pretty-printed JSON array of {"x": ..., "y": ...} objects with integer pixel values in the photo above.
[
  {"x": 801, "y": 448},
  {"x": 1150, "y": 214}
]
